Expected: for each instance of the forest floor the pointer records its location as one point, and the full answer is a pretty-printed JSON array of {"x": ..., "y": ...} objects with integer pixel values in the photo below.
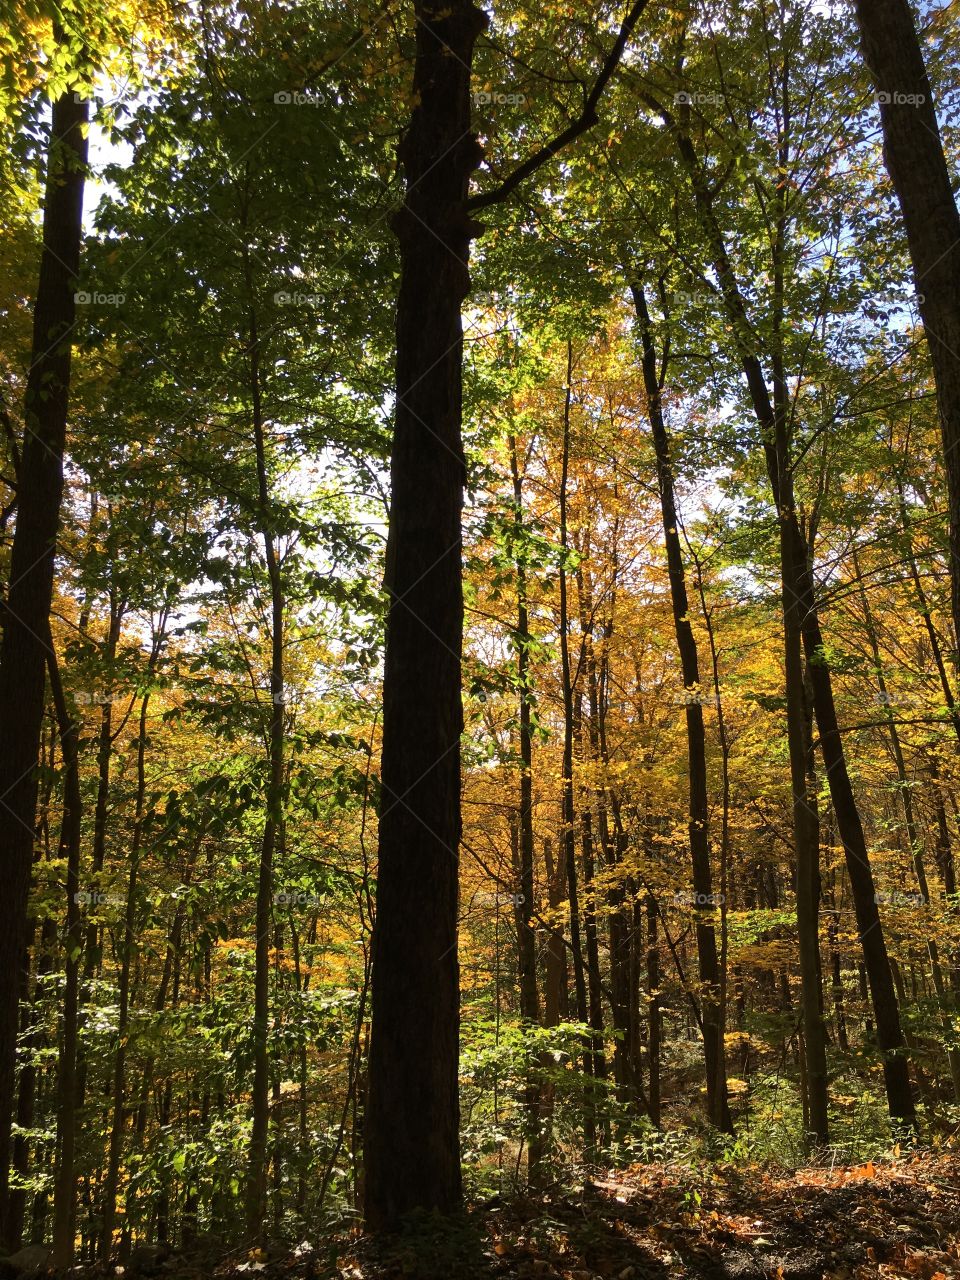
[
  {"x": 656, "y": 1222},
  {"x": 896, "y": 1218}
]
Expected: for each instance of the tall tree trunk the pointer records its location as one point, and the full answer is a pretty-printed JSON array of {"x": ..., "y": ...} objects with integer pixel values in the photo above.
[
  {"x": 923, "y": 605},
  {"x": 92, "y": 943},
  {"x": 256, "y": 1187},
  {"x": 24, "y": 649},
  {"x": 799, "y": 595},
  {"x": 526, "y": 938},
  {"x": 64, "y": 1180},
  {"x": 567, "y": 805},
  {"x": 411, "y": 1126},
  {"x": 890, "y": 1037},
  {"x": 915, "y": 160},
  {"x": 119, "y": 1082},
  {"x": 911, "y": 830},
  {"x": 654, "y": 1014},
  {"x": 718, "y": 1109}
]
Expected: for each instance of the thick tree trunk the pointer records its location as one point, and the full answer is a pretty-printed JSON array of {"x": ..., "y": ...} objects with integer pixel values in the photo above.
[
  {"x": 23, "y": 654},
  {"x": 915, "y": 160},
  {"x": 411, "y": 1127}
]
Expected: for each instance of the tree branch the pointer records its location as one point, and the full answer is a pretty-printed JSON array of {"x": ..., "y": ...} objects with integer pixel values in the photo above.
[{"x": 586, "y": 120}]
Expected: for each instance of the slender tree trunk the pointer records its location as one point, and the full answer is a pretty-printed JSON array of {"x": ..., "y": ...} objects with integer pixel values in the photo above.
[
  {"x": 799, "y": 594},
  {"x": 92, "y": 956},
  {"x": 890, "y": 1038},
  {"x": 654, "y": 1015},
  {"x": 26, "y": 610},
  {"x": 914, "y": 157},
  {"x": 567, "y": 805},
  {"x": 64, "y": 1180},
  {"x": 526, "y": 938},
  {"x": 926, "y": 613},
  {"x": 256, "y": 1188},
  {"x": 119, "y": 1083},
  {"x": 555, "y": 963},
  {"x": 718, "y": 1109},
  {"x": 590, "y": 934},
  {"x": 411, "y": 1126},
  {"x": 910, "y": 827}
]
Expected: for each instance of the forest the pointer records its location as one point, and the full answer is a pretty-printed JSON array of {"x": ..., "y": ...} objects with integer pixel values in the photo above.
[{"x": 480, "y": 638}]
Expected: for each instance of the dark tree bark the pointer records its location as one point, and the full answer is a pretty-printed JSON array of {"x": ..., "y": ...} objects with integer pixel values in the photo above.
[
  {"x": 24, "y": 650},
  {"x": 923, "y": 606},
  {"x": 64, "y": 1183},
  {"x": 412, "y": 1116},
  {"x": 256, "y": 1185},
  {"x": 654, "y": 1015},
  {"x": 567, "y": 800},
  {"x": 718, "y": 1109},
  {"x": 800, "y": 597},
  {"x": 92, "y": 947},
  {"x": 915, "y": 846},
  {"x": 526, "y": 937},
  {"x": 411, "y": 1138},
  {"x": 915, "y": 160}
]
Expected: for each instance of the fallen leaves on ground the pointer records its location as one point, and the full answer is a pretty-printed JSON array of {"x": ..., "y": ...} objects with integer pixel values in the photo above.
[{"x": 897, "y": 1219}]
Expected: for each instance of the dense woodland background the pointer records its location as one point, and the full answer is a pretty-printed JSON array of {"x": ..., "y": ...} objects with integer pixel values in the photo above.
[{"x": 708, "y": 777}]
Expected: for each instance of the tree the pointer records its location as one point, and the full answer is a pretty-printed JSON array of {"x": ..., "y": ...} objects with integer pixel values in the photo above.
[
  {"x": 411, "y": 1141},
  {"x": 913, "y": 153},
  {"x": 24, "y": 650}
]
